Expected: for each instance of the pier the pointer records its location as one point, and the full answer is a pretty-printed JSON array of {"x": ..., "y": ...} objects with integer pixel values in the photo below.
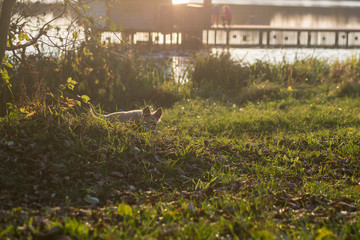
[
  {"x": 247, "y": 36},
  {"x": 243, "y": 36},
  {"x": 159, "y": 24}
]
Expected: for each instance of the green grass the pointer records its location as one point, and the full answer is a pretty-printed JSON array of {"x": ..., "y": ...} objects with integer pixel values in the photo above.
[
  {"x": 277, "y": 157},
  {"x": 284, "y": 166}
]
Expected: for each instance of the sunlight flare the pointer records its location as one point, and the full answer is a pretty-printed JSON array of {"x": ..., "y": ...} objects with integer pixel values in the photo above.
[{"x": 179, "y": 1}]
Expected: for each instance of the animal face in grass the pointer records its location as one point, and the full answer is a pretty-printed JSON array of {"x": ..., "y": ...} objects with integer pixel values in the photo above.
[
  {"x": 151, "y": 119},
  {"x": 148, "y": 118}
]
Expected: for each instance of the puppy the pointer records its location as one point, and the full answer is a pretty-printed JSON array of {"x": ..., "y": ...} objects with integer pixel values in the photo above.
[{"x": 145, "y": 116}]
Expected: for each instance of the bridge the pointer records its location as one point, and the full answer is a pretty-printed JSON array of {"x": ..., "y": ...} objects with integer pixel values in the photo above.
[
  {"x": 161, "y": 25},
  {"x": 242, "y": 36}
]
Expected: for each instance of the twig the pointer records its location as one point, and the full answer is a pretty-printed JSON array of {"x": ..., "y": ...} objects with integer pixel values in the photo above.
[{"x": 42, "y": 32}]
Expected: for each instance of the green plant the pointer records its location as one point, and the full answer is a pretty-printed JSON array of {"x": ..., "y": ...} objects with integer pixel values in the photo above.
[
  {"x": 218, "y": 71},
  {"x": 279, "y": 167}
]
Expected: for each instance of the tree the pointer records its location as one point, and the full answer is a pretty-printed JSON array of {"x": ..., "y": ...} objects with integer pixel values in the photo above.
[
  {"x": 12, "y": 30},
  {"x": 6, "y": 10},
  {"x": 29, "y": 33},
  {"x": 16, "y": 38}
]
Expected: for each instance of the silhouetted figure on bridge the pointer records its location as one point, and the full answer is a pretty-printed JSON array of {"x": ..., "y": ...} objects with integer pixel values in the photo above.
[
  {"x": 226, "y": 15},
  {"x": 215, "y": 14}
]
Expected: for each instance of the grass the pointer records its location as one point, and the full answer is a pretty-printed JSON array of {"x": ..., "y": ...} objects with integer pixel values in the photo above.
[
  {"x": 270, "y": 161},
  {"x": 275, "y": 169}
]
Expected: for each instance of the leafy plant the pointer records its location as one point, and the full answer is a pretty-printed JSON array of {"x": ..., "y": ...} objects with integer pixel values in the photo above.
[{"x": 218, "y": 71}]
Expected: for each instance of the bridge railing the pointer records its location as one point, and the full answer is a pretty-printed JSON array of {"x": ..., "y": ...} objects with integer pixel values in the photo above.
[
  {"x": 264, "y": 36},
  {"x": 245, "y": 37}
]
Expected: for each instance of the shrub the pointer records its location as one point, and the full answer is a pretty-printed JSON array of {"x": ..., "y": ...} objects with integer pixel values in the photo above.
[
  {"x": 219, "y": 71},
  {"x": 309, "y": 70},
  {"x": 107, "y": 74},
  {"x": 113, "y": 77}
]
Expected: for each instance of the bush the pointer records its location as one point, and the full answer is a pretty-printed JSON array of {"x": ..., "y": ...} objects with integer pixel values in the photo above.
[
  {"x": 310, "y": 70},
  {"x": 107, "y": 74},
  {"x": 114, "y": 77},
  {"x": 219, "y": 71}
]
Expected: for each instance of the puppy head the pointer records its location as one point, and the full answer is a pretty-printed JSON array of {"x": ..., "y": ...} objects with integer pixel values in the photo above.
[
  {"x": 152, "y": 119},
  {"x": 146, "y": 111}
]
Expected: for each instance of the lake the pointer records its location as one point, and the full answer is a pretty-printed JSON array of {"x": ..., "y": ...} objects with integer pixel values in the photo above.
[{"x": 180, "y": 60}]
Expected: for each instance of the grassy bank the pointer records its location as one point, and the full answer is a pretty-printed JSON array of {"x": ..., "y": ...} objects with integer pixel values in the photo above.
[
  {"x": 285, "y": 165},
  {"x": 260, "y": 151}
]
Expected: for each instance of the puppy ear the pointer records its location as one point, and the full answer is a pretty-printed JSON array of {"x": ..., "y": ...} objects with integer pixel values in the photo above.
[
  {"x": 146, "y": 111},
  {"x": 158, "y": 113}
]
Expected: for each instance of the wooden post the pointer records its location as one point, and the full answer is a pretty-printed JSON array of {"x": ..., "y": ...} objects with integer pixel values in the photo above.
[
  {"x": 227, "y": 36},
  {"x": 309, "y": 39},
  {"x": 298, "y": 39},
  {"x": 215, "y": 37},
  {"x": 268, "y": 38},
  {"x": 347, "y": 39},
  {"x": 336, "y": 39},
  {"x": 260, "y": 38},
  {"x": 150, "y": 38}
]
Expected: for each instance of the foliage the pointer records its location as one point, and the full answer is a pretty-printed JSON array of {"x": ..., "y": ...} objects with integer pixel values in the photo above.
[
  {"x": 4, "y": 74},
  {"x": 111, "y": 77},
  {"x": 105, "y": 73},
  {"x": 117, "y": 77},
  {"x": 218, "y": 71},
  {"x": 266, "y": 80},
  {"x": 19, "y": 38}
]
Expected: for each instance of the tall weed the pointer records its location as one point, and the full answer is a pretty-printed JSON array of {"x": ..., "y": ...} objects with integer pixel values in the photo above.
[
  {"x": 219, "y": 71},
  {"x": 220, "y": 77}
]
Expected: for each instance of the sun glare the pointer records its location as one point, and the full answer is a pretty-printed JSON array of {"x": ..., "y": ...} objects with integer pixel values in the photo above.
[{"x": 179, "y": 1}]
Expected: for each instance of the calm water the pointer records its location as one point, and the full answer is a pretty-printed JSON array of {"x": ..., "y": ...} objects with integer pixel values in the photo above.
[
  {"x": 290, "y": 55},
  {"x": 180, "y": 60}
]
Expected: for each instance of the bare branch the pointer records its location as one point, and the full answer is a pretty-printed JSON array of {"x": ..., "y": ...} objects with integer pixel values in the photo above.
[{"x": 41, "y": 33}]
